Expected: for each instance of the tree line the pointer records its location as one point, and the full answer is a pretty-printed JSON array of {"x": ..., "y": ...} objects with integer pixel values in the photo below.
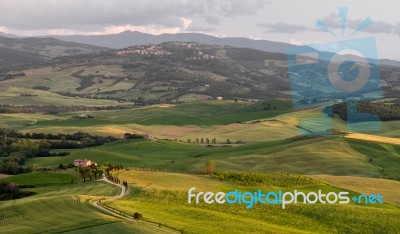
[
  {"x": 64, "y": 141},
  {"x": 264, "y": 179},
  {"x": 10, "y": 191},
  {"x": 15, "y": 147},
  {"x": 351, "y": 111}
]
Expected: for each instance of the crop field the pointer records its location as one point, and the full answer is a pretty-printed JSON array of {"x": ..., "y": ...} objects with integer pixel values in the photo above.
[
  {"x": 332, "y": 155},
  {"x": 2, "y": 176},
  {"x": 384, "y": 156},
  {"x": 17, "y": 96},
  {"x": 196, "y": 113},
  {"x": 56, "y": 209},
  {"x": 19, "y": 121},
  {"x": 388, "y": 188},
  {"x": 163, "y": 200},
  {"x": 44, "y": 178},
  {"x": 269, "y": 143},
  {"x": 189, "y": 121}
]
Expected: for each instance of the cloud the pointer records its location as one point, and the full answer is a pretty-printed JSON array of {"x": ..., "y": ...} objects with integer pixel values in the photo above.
[
  {"x": 397, "y": 29},
  {"x": 199, "y": 28},
  {"x": 284, "y": 28},
  {"x": 248, "y": 7},
  {"x": 332, "y": 21},
  {"x": 303, "y": 42},
  {"x": 94, "y": 16},
  {"x": 186, "y": 22}
]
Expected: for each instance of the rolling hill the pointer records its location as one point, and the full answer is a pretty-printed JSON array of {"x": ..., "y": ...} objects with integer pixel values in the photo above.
[
  {"x": 134, "y": 38},
  {"x": 175, "y": 72},
  {"x": 30, "y": 50}
]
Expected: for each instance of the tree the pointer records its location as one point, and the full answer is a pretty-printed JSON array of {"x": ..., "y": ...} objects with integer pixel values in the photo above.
[
  {"x": 137, "y": 216},
  {"x": 61, "y": 166},
  {"x": 100, "y": 172},
  {"x": 209, "y": 167}
]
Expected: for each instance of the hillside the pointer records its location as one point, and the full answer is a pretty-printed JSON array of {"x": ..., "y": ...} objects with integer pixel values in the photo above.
[
  {"x": 172, "y": 72},
  {"x": 17, "y": 51},
  {"x": 134, "y": 38},
  {"x": 167, "y": 72}
]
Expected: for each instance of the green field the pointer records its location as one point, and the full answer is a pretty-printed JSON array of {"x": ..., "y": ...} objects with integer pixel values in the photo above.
[
  {"x": 162, "y": 197},
  {"x": 14, "y": 96},
  {"x": 271, "y": 144},
  {"x": 194, "y": 113},
  {"x": 333, "y": 155},
  {"x": 386, "y": 157},
  {"x": 55, "y": 209},
  {"x": 44, "y": 178}
]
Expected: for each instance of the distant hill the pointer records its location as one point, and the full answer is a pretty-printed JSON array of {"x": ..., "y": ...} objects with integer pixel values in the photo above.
[
  {"x": 174, "y": 72},
  {"x": 47, "y": 47},
  {"x": 133, "y": 38},
  {"x": 3, "y": 34},
  {"x": 16, "y": 51}
]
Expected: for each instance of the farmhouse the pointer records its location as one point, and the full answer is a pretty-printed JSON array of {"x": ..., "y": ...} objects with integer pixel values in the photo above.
[
  {"x": 83, "y": 116},
  {"x": 83, "y": 163}
]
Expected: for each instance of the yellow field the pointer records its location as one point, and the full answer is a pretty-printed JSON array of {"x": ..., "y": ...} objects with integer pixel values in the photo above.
[
  {"x": 4, "y": 176},
  {"x": 256, "y": 132},
  {"x": 165, "y": 105},
  {"x": 388, "y": 188},
  {"x": 169, "y": 181},
  {"x": 368, "y": 137}
]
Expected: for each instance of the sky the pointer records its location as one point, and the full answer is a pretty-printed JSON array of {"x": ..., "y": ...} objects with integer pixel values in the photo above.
[{"x": 290, "y": 21}]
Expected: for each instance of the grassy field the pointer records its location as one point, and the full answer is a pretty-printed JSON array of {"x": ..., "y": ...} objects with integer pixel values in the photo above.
[
  {"x": 44, "y": 178},
  {"x": 252, "y": 132},
  {"x": 388, "y": 188},
  {"x": 271, "y": 146},
  {"x": 332, "y": 155},
  {"x": 384, "y": 156},
  {"x": 165, "y": 201},
  {"x": 2, "y": 176},
  {"x": 195, "y": 113},
  {"x": 55, "y": 208},
  {"x": 12, "y": 96},
  {"x": 209, "y": 119},
  {"x": 374, "y": 138},
  {"x": 20, "y": 121}
]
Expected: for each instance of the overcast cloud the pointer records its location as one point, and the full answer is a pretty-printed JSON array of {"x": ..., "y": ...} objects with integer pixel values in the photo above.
[
  {"x": 96, "y": 15},
  {"x": 277, "y": 20}
]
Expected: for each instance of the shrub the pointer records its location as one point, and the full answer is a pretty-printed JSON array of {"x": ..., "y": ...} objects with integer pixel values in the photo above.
[{"x": 137, "y": 216}]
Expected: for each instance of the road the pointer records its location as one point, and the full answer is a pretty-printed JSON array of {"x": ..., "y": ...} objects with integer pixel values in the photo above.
[
  {"x": 123, "y": 192},
  {"x": 96, "y": 204}
]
